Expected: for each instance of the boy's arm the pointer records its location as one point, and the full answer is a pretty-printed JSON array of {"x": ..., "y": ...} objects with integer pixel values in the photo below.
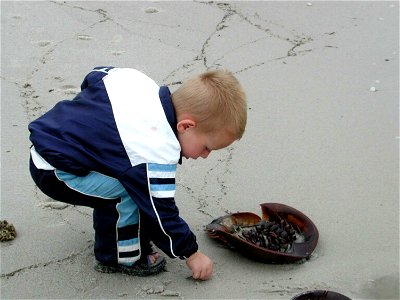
[{"x": 152, "y": 187}]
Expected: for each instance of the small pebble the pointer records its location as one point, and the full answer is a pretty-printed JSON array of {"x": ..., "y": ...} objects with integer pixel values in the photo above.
[
  {"x": 309, "y": 4},
  {"x": 372, "y": 89}
]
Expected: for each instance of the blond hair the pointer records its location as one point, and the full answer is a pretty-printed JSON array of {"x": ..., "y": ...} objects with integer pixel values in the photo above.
[{"x": 214, "y": 99}]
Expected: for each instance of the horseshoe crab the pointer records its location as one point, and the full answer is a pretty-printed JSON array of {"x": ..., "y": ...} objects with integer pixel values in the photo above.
[
  {"x": 320, "y": 295},
  {"x": 282, "y": 235}
]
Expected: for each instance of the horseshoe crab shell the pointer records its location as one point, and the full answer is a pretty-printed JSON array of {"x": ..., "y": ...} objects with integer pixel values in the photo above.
[
  {"x": 320, "y": 295},
  {"x": 223, "y": 229}
]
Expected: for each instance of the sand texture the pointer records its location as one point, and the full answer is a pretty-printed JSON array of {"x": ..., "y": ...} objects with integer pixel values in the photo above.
[{"x": 322, "y": 80}]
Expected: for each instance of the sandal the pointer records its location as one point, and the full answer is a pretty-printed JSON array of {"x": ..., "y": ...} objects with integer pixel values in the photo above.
[{"x": 143, "y": 267}]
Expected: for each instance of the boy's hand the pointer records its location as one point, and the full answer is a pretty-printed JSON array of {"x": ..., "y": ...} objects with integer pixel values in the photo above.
[{"x": 201, "y": 266}]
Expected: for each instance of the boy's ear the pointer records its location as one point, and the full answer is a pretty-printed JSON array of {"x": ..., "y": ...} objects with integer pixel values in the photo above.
[{"x": 185, "y": 124}]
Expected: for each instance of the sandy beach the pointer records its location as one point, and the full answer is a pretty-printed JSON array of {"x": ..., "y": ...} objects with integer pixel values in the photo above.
[{"x": 322, "y": 81}]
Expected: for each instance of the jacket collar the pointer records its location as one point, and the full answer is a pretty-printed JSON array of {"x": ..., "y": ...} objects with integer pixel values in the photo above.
[{"x": 169, "y": 110}]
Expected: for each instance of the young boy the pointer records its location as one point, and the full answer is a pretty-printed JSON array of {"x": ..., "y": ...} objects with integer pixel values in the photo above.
[{"x": 115, "y": 147}]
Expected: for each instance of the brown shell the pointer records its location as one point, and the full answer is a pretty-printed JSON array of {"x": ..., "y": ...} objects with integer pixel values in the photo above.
[
  {"x": 320, "y": 295},
  {"x": 223, "y": 227}
]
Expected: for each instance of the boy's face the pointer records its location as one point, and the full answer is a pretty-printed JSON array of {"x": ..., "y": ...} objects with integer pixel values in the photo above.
[{"x": 196, "y": 143}]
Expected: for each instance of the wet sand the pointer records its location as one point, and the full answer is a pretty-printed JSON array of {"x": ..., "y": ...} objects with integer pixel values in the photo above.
[{"x": 322, "y": 136}]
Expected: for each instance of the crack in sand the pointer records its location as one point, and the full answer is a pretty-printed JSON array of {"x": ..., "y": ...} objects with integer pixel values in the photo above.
[
  {"x": 216, "y": 203},
  {"x": 202, "y": 56},
  {"x": 101, "y": 12},
  {"x": 45, "y": 264},
  {"x": 104, "y": 17},
  {"x": 32, "y": 107},
  {"x": 219, "y": 27},
  {"x": 294, "y": 39}
]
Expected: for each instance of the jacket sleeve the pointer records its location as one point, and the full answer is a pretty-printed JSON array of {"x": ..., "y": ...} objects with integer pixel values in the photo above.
[{"x": 152, "y": 187}]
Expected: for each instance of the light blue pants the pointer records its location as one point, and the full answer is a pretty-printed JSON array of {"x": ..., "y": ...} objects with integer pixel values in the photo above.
[{"x": 123, "y": 228}]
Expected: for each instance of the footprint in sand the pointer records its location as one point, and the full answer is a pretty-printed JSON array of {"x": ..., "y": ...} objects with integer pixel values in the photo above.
[
  {"x": 151, "y": 10},
  {"x": 117, "y": 53},
  {"x": 42, "y": 43},
  {"x": 69, "y": 89},
  {"x": 59, "y": 78},
  {"x": 84, "y": 37}
]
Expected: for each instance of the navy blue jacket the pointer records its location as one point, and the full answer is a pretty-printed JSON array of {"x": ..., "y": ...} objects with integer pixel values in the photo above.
[{"x": 123, "y": 125}]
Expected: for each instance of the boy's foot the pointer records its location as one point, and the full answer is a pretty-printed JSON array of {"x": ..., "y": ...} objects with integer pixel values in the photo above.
[{"x": 151, "y": 265}]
